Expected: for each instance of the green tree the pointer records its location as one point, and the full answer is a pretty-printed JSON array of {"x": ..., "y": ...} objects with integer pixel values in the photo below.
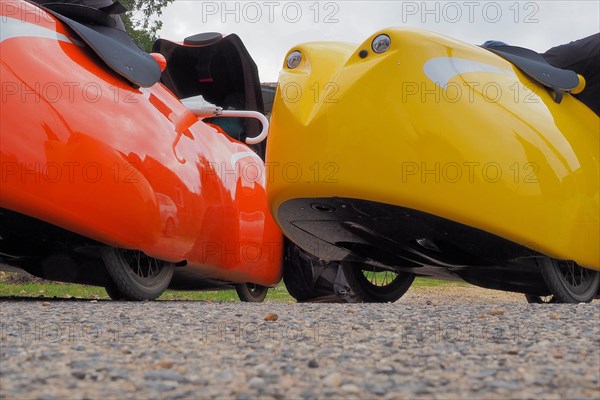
[{"x": 142, "y": 20}]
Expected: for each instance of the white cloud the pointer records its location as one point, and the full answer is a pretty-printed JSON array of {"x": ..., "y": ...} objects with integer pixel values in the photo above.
[{"x": 270, "y": 28}]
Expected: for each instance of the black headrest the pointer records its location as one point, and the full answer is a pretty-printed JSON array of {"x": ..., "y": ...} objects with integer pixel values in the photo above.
[{"x": 203, "y": 39}]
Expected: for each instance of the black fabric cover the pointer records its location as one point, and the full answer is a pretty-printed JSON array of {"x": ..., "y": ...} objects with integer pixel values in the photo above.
[
  {"x": 583, "y": 57},
  {"x": 224, "y": 73}
]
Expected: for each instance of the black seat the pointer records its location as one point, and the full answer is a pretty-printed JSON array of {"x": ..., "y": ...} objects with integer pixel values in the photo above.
[
  {"x": 537, "y": 68},
  {"x": 221, "y": 70}
]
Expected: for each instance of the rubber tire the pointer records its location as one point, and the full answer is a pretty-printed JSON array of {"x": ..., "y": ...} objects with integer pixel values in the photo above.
[
  {"x": 114, "y": 293},
  {"x": 370, "y": 293},
  {"x": 128, "y": 283},
  {"x": 533, "y": 299},
  {"x": 298, "y": 274},
  {"x": 248, "y": 295},
  {"x": 549, "y": 268}
]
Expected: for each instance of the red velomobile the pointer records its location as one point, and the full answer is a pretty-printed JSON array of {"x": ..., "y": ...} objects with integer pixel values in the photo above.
[{"x": 107, "y": 178}]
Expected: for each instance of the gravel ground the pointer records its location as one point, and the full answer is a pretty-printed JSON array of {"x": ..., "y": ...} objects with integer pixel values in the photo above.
[{"x": 435, "y": 343}]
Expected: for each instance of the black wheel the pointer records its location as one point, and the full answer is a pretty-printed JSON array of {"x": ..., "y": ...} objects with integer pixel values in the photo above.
[
  {"x": 113, "y": 292},
  {"x": 533, "y": 299},
  {"x": 251, "y": 293},
  {"x": 301, "y": 272},
  {"x": 569, "y": 282},
  {"x": 377, "y": 285},
  {"x": 135, "y": 275}
]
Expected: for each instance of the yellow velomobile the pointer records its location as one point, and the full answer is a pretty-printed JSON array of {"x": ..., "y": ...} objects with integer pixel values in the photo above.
[{"x": 416, "y": 154}]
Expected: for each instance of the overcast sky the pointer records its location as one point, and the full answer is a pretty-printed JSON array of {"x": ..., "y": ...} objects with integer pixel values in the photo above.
[{"x": 270, "y": 28}]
